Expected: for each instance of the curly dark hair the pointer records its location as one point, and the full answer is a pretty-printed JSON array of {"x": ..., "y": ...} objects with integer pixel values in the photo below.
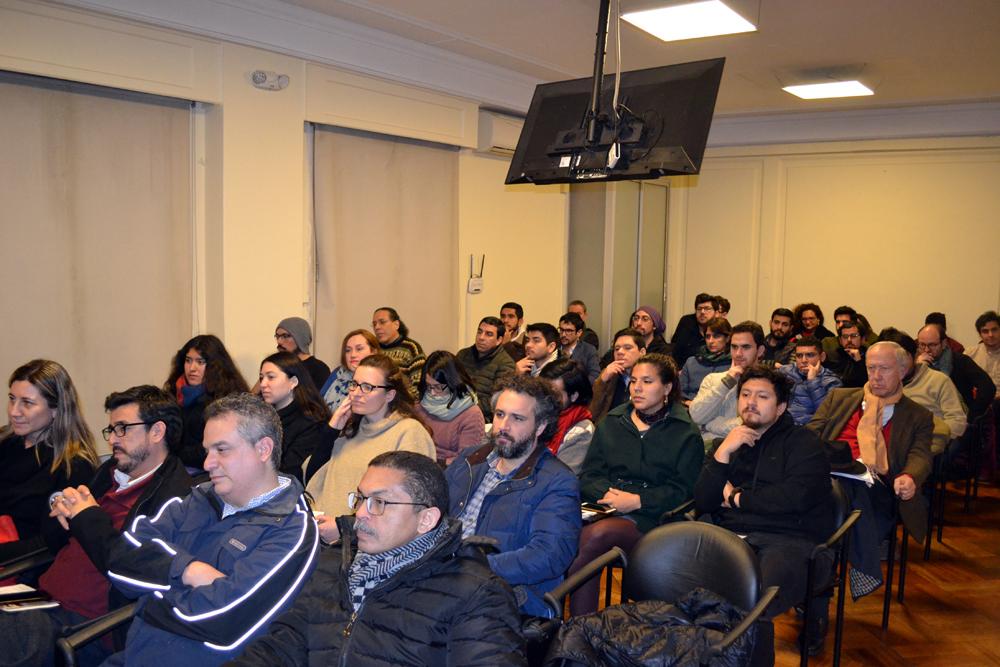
[{"x": 221, "y": 375}]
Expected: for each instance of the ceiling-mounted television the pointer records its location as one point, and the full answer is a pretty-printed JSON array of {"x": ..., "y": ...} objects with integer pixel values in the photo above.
[{"x": 664, "y": 115}]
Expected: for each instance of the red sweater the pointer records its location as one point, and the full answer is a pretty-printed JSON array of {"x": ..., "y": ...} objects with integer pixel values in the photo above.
[{"x": 72, "y": 579}]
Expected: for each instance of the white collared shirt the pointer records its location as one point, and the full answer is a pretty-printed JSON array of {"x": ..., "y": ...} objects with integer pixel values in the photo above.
[{"x": 124, "y": 481}]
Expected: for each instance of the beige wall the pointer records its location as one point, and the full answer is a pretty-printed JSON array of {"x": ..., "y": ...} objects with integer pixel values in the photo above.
[{"x": 895, "y": 229}]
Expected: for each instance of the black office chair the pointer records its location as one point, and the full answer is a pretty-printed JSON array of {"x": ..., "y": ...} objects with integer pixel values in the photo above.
[
  {"x": 674, "y": 559},
  {"x": 26, "y": 563},
  {"x": 839, "y": 544}
]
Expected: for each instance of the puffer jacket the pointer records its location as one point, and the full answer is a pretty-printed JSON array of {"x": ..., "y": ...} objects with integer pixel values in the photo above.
[
  {"x": 654, "y": 632},
  {"x": 445, "y": 609}
]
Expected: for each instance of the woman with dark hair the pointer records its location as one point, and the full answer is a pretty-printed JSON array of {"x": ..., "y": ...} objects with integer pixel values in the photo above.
[
  {"x": 575, "y": 427},
  {"x": 285, "y": 384},
  {"x": 394, "y": 339},
  {"x": 808, "y": 321},
  {"x": 379, "y": 418},
  {"x": 357, "y": 345},
  {"x": 45, "y": 447},
  {"x": 713, "y": 357},
  {"x": 644, "y": 460},
  {"x": 201, "y": 372},
  {"x": 449, "y": 406}
]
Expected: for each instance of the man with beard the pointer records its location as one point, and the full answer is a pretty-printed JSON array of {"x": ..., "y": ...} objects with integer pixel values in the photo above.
[
  {"x": 139, "y": 477},
  {"x": 689, "y": 334},
  {"x": 487, "y": 361},
  {"x": 847, "y": 361},
  {"x": 293, "y": 335},
  {"x": 769, "y": 480},
  {"x": 514, "y": 490},
  {"x": 776, "y": 343}
]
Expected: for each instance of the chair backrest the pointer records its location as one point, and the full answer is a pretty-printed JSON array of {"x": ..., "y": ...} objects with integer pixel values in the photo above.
[
  {"x": 674, "y": 559},
  {"x": 841, "y": 503}
]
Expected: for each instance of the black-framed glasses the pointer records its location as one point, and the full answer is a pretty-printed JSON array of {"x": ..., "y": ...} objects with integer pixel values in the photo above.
[
  {"x": 375, "y": 506},
  {"x": 119, "y": 429},
  {"x": 365, "y": 387},
  {"x": 282, "y": 336}
]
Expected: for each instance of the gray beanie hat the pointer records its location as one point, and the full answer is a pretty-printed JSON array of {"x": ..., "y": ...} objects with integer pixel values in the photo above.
[{"x": 300, "y": 331}]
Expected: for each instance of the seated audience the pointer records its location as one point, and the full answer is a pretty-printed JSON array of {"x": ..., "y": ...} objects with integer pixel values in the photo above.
[
  {"x": 931, "y": 389},
  {"x": 808, "y": 320},
  {"x": 713, "y": 357},
  {"x": 575, "y": 426},
  {"x": 647, "y": 321},
  {"x": 514, "y": 490},
  {"x": 714, "y": 407},
  {"x": 847, "y": 361},
  {"x": 201, "y": 372},
  {"x": 448, "y": 405},
  {"x": 589, "y": 335},
  {"x": 769, "y": 480},
  {"x": 139, "y": 477},
  {"x": 486, "y": 361},
  {"x": 512, "y": 316},
  {"x": 644, "y": 460},
  {"x": 572, "y": 346},
  {"x": 214, "y": 569},
  {"x": 689, "y": 334},
  {"x": 941, "y": 320},
  {"x": 380, "y": 417},
  {"x": 986, "y": 352},
  {"x": 357, "y": 345},
  {"x": 776, "y": 346},
  {"x": 891, "y": 435},
  {"x": 286, "y": 387},
  {"x": 294, "y": 336},
  {"x": 45, "y": 447},
  {"x": 394, "y": 339},
  {"x": 972, "y": 382},
  {"x": 541, "y": 347},
  {"x": 611, "y": 387},
  {"x": 427, "y": 598},
  {"x": 809, "y": 380}
]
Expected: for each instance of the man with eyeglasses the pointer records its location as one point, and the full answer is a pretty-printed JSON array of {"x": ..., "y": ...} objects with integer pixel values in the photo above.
[
  {"x": 572, "y": 345},
  {"x": 689, "y": 335},
  {"x": 848, "y": 360},
  {"x": 513, "y": 489},
  {"x": 810, "y": 381},
  {"x": 400, "y": 587},
  {"x": 139, "y": 477},
  {"x": 293, "y": 335},
  {"x": 211, "y": 571},
  {"x": 973, "y": 383}
]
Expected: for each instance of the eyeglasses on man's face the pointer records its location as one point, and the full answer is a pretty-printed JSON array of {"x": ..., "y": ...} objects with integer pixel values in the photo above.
[
  {"x": 119, "y": 429},
  {"x": 365, "y": 387},
  {"x": 375, "y": 506},
  {"x": 282, "y": 336}
]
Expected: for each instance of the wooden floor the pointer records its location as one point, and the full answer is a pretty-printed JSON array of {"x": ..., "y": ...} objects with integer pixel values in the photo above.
[{"x": 951, "y": 612}]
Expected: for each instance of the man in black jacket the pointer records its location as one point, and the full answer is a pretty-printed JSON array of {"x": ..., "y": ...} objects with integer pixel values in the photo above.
[
  {"x": 689, "y": 334},
  {"x": 139, "y": 477},
  {"x": 400, "y": 588},
  {"x": 769, "y": 480}
]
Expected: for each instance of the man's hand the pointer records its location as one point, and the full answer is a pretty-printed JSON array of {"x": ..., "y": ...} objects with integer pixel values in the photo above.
[
  {"x": 613, "y": 369},
  {"x": 925, "y": 357},
  {"x": 813, "y": 370},
  {"x": 735, "y": 370},
  {"x": 70, "y": 503},
  {"x": 525, "y": 366},
  {"x": 726, "y": 490},
  {"x": 623, "y": 501},
  {"x": 328, "y": 531},
  {"x": 739, "y": 436},
  {"x": 904, "y": 487},
  {"x": 341, "y": 414},
  {"x": 853, "y": 353},
  {"x": 198, "y": 574}
]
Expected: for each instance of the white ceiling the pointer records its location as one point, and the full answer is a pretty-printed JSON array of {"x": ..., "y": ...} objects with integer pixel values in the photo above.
[{"x": 911, "y": 52}]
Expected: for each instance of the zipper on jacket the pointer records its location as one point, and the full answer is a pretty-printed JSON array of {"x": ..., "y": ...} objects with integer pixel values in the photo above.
[{"x": 350, "y": 624}]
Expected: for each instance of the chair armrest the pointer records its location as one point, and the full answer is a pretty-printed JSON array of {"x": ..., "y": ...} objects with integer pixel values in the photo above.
[
  {"x": 744, "y": 625},
  {"x": 838, "y": 535},
  {"x": 30, "y": 561},
  {"x": 554, "y": 598},
  {"x": 90, "y": 630},
  {"x": 684, "y": 511}
]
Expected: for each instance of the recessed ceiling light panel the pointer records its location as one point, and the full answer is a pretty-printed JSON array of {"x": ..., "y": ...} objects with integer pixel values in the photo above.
[
  {"x": 690, "y": 20},
  {"x": 818, "y": 91}
]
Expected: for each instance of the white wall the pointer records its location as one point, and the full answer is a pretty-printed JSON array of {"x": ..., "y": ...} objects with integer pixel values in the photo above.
[{"x": 895, "y": 229}]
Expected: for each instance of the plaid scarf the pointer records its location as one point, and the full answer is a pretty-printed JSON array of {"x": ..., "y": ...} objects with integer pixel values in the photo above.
[{"x": 370, "y": 570}]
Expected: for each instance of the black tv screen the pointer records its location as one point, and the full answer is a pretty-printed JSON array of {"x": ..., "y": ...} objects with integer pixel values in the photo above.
[{"x": 665, "y": 115}]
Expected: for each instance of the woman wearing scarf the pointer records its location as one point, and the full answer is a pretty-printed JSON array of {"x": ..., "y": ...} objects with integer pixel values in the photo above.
[
  {"x": 201, "y": 372},
  {"x": 448, "y": 405},
  {"x": 713, "y": 357},
  {"x": 357, "y": 345},
  {"x": 575, "y": 427}
]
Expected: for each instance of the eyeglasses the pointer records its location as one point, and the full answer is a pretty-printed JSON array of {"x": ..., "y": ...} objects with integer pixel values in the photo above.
[
  {"x": 284, "y": 336},
  {"x": 569, "y": 331},
  {"x": 375, "y": 506},
  {"x": 119, "y": 429},
  {"x": 851, "y": 336},
  {"x": 928, "y": 346},
  {"x": 365, "y": 387},
  {"x": 438, "y": 389}
]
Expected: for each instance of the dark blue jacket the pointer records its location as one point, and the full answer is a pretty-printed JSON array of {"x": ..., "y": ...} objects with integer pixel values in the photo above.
[
  {"x": 535, "y": 516},
  {"x": 808, "y": 394},
  {"x": 266, "y": 554}
]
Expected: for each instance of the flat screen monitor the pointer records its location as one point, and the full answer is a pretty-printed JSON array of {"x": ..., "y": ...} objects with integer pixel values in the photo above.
[{"x": 661, "y": 129}]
